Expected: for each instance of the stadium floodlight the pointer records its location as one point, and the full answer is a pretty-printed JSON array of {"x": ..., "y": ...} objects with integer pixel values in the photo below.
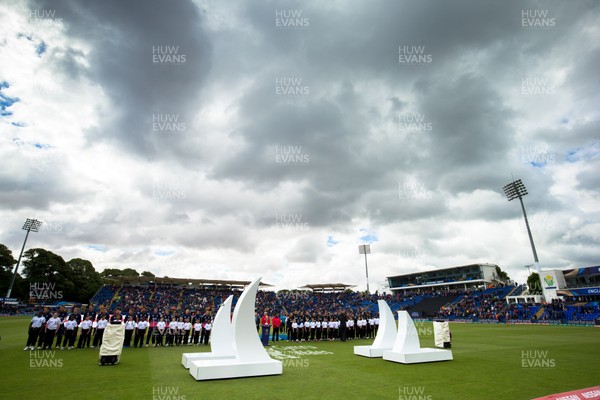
[
  {"x": 516, "y": 190},
  {"x": 365, "y": 249},
  {"x": 29, "y": 225}
]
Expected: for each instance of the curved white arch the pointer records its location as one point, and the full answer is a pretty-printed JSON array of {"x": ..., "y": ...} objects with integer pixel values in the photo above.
[
  {"x": 407, "y": 348},
  {"x": 386, "y": 334},
  {"x": 221, "y": 342},
  {"x": 247, "y": 343},
  {"x": 249, "y": 356}
]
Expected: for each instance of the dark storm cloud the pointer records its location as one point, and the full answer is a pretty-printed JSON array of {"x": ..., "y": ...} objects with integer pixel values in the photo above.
[
  {"x": 471, "y": 126},
  {"x": 125, "y": 37},
  {"x": 465, "y": 151},
  {"x": 41, "y": 180}
]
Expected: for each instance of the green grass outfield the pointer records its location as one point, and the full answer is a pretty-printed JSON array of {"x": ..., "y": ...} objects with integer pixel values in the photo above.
[{"x": 488, "y": 364}]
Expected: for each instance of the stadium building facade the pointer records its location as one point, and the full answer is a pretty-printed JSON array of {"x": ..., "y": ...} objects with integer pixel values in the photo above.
[
  {"x": 578, "y": 282},
  {"x": 460, "y": 277}
]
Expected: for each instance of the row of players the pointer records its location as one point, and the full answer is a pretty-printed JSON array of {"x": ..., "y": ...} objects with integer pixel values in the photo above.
[
  {"x": 317, "y": 329},
  {"x": 62, "y": 328},
  {"x": 44, "y": 329}
]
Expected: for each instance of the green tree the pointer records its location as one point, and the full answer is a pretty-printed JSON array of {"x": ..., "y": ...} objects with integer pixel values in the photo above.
[
  {"x": 48, "y": 275},
  {"x": 148, "y": 274},
  {"x": 7, "y": 263},
  {"x": 49, "y": 278},
  {"x": 86, "y": 279},
  {"x": 113, "y": 272},
  {"x": 502, "y": 276},
  {"x": 534, "y": 284},
  {"x": 44, "y": 266}
]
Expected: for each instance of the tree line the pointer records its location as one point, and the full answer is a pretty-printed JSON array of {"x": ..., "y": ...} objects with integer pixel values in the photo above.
[{"x": 45, "y": 277}]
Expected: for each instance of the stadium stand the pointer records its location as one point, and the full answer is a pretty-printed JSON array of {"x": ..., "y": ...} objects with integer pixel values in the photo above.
[{"x": 488, "y": 303}]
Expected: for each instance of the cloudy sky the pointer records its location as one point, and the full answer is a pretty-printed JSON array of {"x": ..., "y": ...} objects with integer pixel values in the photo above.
[{"x": 226, "y": 140}]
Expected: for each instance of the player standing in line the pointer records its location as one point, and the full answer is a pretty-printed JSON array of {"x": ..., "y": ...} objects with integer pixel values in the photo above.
[
  {"x": 171, "y": 332},
  {"x": 34, "y": 330},
  {"x": 63, "y": 316},
  {"x": 180, "y": 333},
  {"x": 300, "y": 337},
  {"x": 52, "y": 325},
  {"x": 101, "y": 325},
  {"x": 197, "y": 329},
  {"x": 187, "y": 326},
  {"x": 140, "y": 331},
  {"x": 41, "y": 336},
  {"x": 350, "y": 325},
  {"x": 207, "y": 328},
  {"x": 153, "y": 318},
  {"x": 318, "y": 329},
  {"x": 70, "y": 333},
  {"x": 160, "y": 332},
  {"x": 313, "y": 327},
  {"x": 129, "y": 328},
  {"x": 293, "y": 333},
  {"x": 86, "y": 330},
  {"x": 324, "y": 329}
]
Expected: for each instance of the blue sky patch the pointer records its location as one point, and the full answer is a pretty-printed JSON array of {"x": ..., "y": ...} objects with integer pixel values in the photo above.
[
  {"x": 97, "y": 247},
  {"x": 367, "y": 236},
  {"x": 538, "y": 164},
  {"x": 584, "y": 153},
  {"x": 331, "y": 241},
  {"x": 40, "y": 49},
  {"x": 6, "y": 101}
]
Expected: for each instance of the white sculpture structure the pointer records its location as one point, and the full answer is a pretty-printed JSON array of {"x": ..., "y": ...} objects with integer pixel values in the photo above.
[
  {"x": 386, "y": 334},
  {"x": 441, "y": 334},
  {"x": 249, "y": 358},
  {"x": 221, "y": 342},
  {"x": 407, "y": 348}
]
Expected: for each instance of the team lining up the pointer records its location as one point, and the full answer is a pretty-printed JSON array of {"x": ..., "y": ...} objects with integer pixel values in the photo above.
[{"x": 61, "y": 329}]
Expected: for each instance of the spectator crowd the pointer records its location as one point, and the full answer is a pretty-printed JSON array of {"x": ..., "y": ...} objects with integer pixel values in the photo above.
[{"x": 176, "y": 316}]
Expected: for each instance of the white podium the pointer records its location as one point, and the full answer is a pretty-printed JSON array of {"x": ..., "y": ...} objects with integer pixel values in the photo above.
[
  {"x": 386, "y": 334},
  {"x": 221, "y": 338},
  {"x": 407, "y": 348},
  {"x": 249, "y": 357}
]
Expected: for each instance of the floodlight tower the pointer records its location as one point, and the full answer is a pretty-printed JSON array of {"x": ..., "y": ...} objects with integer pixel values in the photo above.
[
  {"x": 29, "y": 225},
  {"x": 516, "y": 190},
  {"x": 365, "y": 249}
]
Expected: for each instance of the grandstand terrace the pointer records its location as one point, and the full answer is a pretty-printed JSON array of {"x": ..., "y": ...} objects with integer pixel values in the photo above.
[
  {"x": 462, "y": 277},
  {"x": 466, "y": 292}
]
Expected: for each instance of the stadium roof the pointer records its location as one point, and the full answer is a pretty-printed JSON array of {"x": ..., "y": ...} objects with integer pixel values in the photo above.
[
  {"x": 327, "y": 287},
  {"x": 444, "y": 269},
  {"x": 181, "y": 281},
  {"x": 444, "y": 277}
]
